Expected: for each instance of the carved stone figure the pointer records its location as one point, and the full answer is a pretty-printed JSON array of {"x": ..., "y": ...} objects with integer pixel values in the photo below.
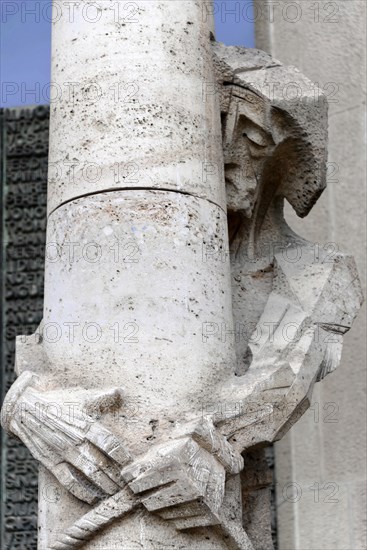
[{"x": 233, "y": 328}]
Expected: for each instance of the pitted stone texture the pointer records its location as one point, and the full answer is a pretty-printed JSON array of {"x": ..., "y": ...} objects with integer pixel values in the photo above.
[
  {"x": 139, "y": 98},
  {"x": 137, "y": 267},
  {"x": 144, "y": 253}
]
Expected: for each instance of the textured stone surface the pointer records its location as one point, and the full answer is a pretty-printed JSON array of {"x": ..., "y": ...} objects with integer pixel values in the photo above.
[
  {"x": 135, "y": 429},
  {"x": 331, "y": 50},
  {"x": 133, "y": 124}
]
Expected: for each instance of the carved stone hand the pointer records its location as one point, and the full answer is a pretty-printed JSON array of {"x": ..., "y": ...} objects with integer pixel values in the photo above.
[
  {"x": 183, "y": 480},
  {"x": 190, "y": 481},
  {"x": 61, "y": 430}
]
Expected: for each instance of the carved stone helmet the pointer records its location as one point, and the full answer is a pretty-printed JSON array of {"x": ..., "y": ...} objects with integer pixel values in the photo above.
[{"x": 287, "y": 115}]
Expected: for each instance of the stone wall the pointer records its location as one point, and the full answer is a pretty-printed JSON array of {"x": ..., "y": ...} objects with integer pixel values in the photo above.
[{"x": 321, "y": 463}]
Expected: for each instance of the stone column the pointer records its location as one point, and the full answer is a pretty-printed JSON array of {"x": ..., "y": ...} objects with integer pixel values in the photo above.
[
  {"x": 321, "y": 463},
  {"x": 136, "y": 193}
]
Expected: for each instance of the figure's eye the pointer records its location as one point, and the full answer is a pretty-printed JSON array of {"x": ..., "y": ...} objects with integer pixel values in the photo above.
[{"x": 256, "y": 136}]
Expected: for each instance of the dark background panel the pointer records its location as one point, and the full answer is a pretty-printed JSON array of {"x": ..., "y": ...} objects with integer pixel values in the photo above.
[{"x": 24, "y": 152}]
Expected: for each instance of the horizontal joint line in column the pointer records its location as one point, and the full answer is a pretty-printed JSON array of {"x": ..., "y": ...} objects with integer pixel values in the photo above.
[{"x": 114, "y": 189}]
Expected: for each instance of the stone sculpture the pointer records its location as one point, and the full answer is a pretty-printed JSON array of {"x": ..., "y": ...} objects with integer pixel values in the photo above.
[{"x": 176, "y": 469}]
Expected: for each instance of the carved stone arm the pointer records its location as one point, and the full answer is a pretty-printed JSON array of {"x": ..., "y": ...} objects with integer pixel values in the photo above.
[
  {"x": 62, "y": 431},
  {"x": 313, "y": 303}
]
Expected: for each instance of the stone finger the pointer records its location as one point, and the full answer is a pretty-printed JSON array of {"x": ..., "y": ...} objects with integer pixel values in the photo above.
[
  {"x": 154, "y": 479},
  {"x": 185, "y": 510},
  {"x": 176, "y": 493},
  {"x": 85, "y": 459},
  {"x": 81, "y": 488},
  {"x": 108, "y": 443}
]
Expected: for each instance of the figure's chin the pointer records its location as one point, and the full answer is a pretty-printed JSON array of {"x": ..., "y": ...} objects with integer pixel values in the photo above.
[{"x": 237, "y": 202}]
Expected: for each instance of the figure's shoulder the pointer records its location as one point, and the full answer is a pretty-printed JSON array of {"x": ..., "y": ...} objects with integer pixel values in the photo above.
[{"x": 323, "y": 280}]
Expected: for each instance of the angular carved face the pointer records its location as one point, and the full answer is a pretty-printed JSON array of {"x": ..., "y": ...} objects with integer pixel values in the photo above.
[
  {"x": 247, "y": 144},
  {"x": 265, "y": 150}
]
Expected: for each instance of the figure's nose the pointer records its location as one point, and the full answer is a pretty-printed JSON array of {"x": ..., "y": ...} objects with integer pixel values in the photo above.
[
  {"x": 240, "y": 174},
  {"x": 232, "y": 173}
]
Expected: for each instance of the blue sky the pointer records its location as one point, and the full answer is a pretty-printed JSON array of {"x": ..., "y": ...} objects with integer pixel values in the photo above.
[{"x": 25, "y": 44}]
